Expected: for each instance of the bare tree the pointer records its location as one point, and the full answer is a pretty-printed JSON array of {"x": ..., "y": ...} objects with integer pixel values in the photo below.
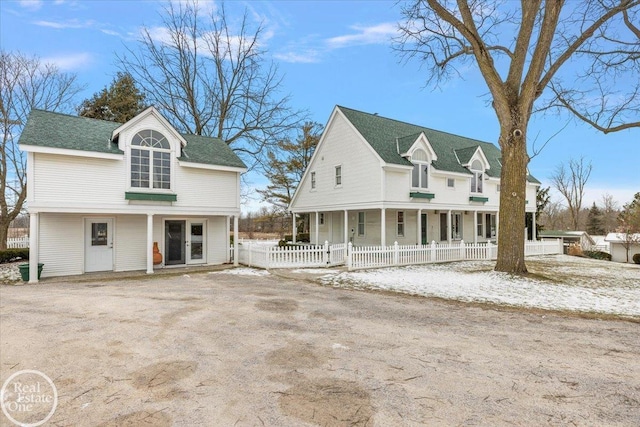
[
  {"x": 25, "y": 83},
  {"x": 523, "y": 51},
  {"x": 570, "y": 184},
  {"x": 610, "y": 213},
  {"x": 209, "y": 76}
]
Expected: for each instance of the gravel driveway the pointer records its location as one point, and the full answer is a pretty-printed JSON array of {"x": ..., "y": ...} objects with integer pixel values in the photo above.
[{"x": 227, "y": 349}]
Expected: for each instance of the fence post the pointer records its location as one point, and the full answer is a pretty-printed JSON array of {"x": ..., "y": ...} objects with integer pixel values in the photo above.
[
  {"x": 349, "y": 255},
  {"x": 250, "y": 253},
  {"x": 462, "y": 251},
  {"x": 325, "y": 253},
  {"x": 432, "y": 253},
  {"x": 560, "y": 247},
  {"x": 488, "y": 253},
  {"x": 395, "y": 253}
]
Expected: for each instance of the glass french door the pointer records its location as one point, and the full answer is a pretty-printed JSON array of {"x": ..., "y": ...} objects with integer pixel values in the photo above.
[{"x": 185, "y": 242}]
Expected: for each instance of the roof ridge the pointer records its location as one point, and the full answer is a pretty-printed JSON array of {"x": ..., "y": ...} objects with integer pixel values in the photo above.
[
  {"x": 74, "y": 116},
  {"x": 413, "y": 124}
]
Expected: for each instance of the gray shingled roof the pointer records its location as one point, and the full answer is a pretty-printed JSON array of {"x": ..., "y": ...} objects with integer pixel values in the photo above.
[
  {"x": 55, "y": 130},
  {"x": 387, "y": 135}
]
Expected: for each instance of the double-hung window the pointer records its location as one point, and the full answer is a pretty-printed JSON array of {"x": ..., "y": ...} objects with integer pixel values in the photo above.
[
  {"x": 338, "y": 176},
  {"x": 478, "y": 176},
  {"x": 420, "y": 174},
  {"x": 313, "y": 180},
  {"x": 150, "y": 161},
  {"x": 456, "y": 226},
  {"x": 400, "y": 224},
  {"x": 360, "y": 223}
]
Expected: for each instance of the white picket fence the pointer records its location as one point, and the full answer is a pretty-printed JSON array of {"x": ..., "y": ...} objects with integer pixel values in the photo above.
[
  {"x": 18, "y": 242},
  {"x": 259, "y": 255},
  {"x": 360, "y": 257}
]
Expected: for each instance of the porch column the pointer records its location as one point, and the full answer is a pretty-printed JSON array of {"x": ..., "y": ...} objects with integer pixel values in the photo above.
[
  {"x": 150, "y": 244},
  {"x": 294, "y": 229},
  {"x": 419, "y": 230},
  {"x": 346, "y": 226},
  {"x": 34, "y": 249},
  {"x": 383, "y": 227},
  {"x": 317, "y": 228},
  {"x": 449, "y": 226},
  {"x": 533, "y": 225},
  {"x": 236, "y": 255},
  {"x": 475, "y": 227}
]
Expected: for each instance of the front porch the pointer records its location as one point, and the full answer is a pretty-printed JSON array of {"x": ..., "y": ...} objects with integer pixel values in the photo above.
[{"x": 407, "y": 226}]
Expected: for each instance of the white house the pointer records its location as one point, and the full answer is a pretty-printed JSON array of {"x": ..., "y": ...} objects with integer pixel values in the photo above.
[
  {"x": 99, "y": 194},
  {"x": 623, "y": 245},
  {"x": 581, "y": 238},
  {"x": 374, "y": 180}
]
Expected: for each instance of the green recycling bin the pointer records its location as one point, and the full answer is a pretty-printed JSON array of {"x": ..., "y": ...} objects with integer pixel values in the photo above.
[{"x": 24, "y": 271}]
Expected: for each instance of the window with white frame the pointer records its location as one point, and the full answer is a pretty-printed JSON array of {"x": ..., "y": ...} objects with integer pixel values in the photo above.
[
  {"x": 321, "y": 218},
  {"x": 338, "y": 176},
  {"x": 478, "y": 176},
  {"x": 150, "y": 160},
  {"x": 420, "y": 174},
  {"x": 490, "y": 226},
  {"x": 456, "y": 226},
  {"x": 400, "y": 224},
  {"x": 360, "y": 223},
  {"x": 480, "y": 231},
  {"x": 313, "y": 180},
  {"x": 451, "y": 183}
]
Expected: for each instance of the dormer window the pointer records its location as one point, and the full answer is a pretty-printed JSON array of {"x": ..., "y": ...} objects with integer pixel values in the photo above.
[
  {"x": 478, "y": 176},
  {"x": 150, "y": 160},
  {"x": 420, "y": 174}
]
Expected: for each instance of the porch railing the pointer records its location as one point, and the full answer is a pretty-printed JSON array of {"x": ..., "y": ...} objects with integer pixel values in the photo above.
[{"x": 360, "y": 257}]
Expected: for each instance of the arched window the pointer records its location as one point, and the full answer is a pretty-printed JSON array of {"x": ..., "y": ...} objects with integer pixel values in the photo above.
[
  {"x": 150, "y": 160},
  {"x": 420, "y": 174},
  {"x": 478, "y": 176}
]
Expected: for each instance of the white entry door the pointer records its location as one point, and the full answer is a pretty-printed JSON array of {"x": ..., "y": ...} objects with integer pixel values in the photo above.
[{"x": 98, "y": 252}]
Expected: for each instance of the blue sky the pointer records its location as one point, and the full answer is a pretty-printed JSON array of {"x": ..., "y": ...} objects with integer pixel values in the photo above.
[{"x": 329, "y": 52}]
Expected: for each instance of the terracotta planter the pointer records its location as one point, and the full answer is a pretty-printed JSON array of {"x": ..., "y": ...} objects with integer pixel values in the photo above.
[{"x": 157, "y": 256}]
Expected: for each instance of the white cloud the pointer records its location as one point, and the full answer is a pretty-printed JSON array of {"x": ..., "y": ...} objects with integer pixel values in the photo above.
[
  {"x": 74, "y": 23},
  {"x": 307, "y": 57},
  {"x": 31, "y": 4},
  {"x": 376, "y": 34},
  {"x": 70, "y": 62}
]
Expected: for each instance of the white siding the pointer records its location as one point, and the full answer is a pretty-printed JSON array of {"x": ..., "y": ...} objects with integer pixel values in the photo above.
[
  {"x": 62, "y": 180},
  {"x": 131, "y": 242},
  {"x": 61, "y": 244},
  {"x": 361, "y": 171},
  {"x": 201, "y": 187},
  {"x": 218, "y": 240}
]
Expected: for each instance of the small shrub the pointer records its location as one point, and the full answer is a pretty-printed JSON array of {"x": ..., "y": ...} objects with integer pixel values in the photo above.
[
  {"x": 636, "y": 258},
  {"x": 282, "y": 243},
  {"x": 9, "y": 255},
  {"x": 300, "y": 237},
  {"x": 575, "y": 250},
  {"x": 598, "y": 255}
]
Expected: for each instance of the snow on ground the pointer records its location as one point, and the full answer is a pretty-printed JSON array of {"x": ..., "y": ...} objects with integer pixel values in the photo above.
[
  {"x": 315, "y": 271},
  {"x": 569, "y": 283},
  {"x": 241, "y": 271}
]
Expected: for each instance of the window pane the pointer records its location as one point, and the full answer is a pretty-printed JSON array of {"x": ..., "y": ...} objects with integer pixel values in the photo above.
[
  {"x": 415, "y": 176},
  {"x": 425, "y": 176},
  {"x": 338, "y": 175},
  {"x": 480, "y": 179},
  {"x": 479, "y": 230},
  {"x": 360, "y": 223},
  {"x": 99, "y": 234}
]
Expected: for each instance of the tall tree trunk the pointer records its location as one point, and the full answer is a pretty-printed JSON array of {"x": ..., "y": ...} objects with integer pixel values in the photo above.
[
  {"x": 513, "y": 184},
  {"x": 4, "y": 231}
]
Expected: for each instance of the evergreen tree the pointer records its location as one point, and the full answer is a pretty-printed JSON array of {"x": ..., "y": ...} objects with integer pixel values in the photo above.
[
  {"x": 594, "y": 221},
  {"x": 119, "y": 102},
  {"x": 542, "y": 200},
  {"x": 286, "y": 166}
]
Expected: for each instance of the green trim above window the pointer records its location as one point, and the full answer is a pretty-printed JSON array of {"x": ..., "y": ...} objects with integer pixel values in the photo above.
[
  {"x": 478, "y": 199},
  {"x": 417, "y": 195},
  {"x": 157, "y": 197}
]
